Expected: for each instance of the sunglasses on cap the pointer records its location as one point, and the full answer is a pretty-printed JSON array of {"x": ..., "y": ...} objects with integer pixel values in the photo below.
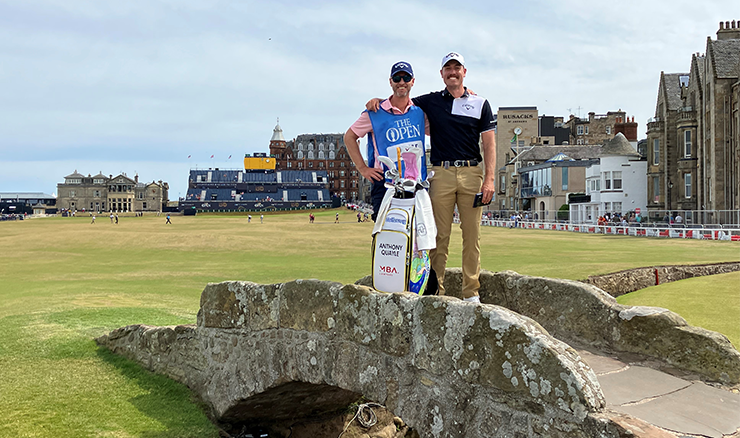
[{"x": 397, "y": 78}]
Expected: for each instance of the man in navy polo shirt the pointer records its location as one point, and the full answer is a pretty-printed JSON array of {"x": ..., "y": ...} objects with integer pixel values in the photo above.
[{"x": 457, "y": 121}]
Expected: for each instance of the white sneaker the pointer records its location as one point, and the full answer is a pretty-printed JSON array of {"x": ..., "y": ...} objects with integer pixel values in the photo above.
[{"x": 475, "y": 299}]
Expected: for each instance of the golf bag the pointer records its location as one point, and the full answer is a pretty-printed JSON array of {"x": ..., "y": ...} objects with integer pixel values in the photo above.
[{"x": 404, "y": 232}]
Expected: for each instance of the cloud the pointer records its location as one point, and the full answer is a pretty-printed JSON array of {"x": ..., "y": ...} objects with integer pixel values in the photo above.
[{"x": 114, "y": 84}]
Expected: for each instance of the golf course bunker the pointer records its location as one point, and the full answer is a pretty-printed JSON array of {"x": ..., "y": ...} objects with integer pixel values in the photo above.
[{"x": 262, "y": 355}]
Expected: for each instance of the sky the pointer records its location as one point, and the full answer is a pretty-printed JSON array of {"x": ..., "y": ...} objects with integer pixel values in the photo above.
[{"x": 138, "y": 86}]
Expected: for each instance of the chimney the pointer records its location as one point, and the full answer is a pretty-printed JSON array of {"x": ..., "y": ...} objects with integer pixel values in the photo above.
[
  {"x": 136, "y": 178},
  {"x": 728, "y": 31},
  {"x": 627, "y": 128}
]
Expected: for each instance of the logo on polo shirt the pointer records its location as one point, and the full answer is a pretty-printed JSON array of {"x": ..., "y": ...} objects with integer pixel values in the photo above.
[{"x": 468, "y": 106}]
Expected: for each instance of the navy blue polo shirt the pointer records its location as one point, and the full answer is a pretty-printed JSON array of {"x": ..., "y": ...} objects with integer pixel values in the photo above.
[{"x": 455, "y": 125}]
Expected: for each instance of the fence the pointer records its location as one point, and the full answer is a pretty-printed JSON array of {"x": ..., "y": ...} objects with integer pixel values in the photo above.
[
  {"x": 718, "y": 218},
  {"x": 668, "y": 231}
]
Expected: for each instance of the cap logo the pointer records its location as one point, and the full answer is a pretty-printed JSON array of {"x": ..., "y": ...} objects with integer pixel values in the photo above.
[
  {"x": 401, "y": 65},
  {"x": 452, "y": 54}
]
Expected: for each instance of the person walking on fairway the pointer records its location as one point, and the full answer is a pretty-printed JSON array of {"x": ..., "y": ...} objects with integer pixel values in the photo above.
[
  {"x": 336, "y": 218},
  {"x": 93, "y": 219},
  {"x": 262, "y": 218},
  {"x": 168, "y": 219}
]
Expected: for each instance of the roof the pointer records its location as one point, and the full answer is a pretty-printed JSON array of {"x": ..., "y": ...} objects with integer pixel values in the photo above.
[
  {"x": 618, "y": 146},
  {"x": 672, "y": 89},
  {"x": 277, "y": 133},
  {"x": 560, "y": 157},
  {"x": 697, "y": 68},
  {"x": 75, "y": 175},
  {"x": 100, "y": 175},
  {"x": 724, "y": 54},
  {"x": 544, "y": 153},
  {"x": 25, "y": 195}
]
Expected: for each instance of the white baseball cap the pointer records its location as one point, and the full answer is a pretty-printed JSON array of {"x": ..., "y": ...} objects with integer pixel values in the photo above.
[{"x": 452, "y": 56}]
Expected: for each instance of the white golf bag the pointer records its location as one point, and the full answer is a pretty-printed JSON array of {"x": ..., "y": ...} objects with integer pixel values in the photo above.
[{"x": 404, "y": 231}]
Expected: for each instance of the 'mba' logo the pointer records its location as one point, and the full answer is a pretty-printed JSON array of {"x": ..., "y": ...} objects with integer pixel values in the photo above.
[{"x": 388, "y": 269}]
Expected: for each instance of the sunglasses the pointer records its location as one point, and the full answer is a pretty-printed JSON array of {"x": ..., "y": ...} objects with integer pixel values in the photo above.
[{"x": 397, "y": 78}]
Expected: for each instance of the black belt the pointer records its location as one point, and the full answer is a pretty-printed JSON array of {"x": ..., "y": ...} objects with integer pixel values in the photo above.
[{"x": 456, "y": 163}]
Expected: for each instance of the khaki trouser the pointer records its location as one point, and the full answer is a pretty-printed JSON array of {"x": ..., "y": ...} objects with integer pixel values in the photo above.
[{"x": 457, "y": 185}]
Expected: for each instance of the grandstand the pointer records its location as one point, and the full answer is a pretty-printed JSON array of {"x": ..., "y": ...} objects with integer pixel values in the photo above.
[{"x": 256, "y": 189}]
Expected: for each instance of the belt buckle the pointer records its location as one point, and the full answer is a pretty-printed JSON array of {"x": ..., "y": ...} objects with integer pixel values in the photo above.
[
  {"x": 446, "y": 164},
  {"x": 459, "y": 163}
]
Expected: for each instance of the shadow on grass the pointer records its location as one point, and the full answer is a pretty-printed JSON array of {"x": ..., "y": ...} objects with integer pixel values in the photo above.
[{"x": 169, "y": 403}]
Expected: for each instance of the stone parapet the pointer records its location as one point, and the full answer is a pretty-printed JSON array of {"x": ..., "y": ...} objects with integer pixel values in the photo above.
[{"x": 263, "y": 353}]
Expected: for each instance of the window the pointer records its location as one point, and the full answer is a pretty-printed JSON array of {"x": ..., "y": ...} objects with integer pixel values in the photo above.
[
  {"x": 656, "y": 152},
  {"x": 617, "y": 206},
  {"x": 579, "y": 141},
  {"x": 144, "y": 205},
  {"x": 321, "y": 164},
  {"x": 290, "y": 164},
  {"x": 617, "y": 180},
  {"x": 565, "y": 178},
  {"x": 586, "y": 129},
  {"x": 321, "y": 152},
  {"x": 96, "y": 193},
  {"x": 72, "y": 193},
  {"x": 310, "y": 155},
  {"x": 687, "y": 184},
  {"x": 687, "y": 144},
  {"x": 310, "y": 164},
  {"x": 579, "y": 130},
  {"x": 91, "y": 205},
  {"x": 300, "y": 146},
  {"x": 341, "y": 173},
  {"x": 609, "y": 130},
  {"x": 607, "y": 180},
  {"x": 502, "y": 186},
  {"x": 656, "y": 189},
  {"x": 300, "y": 155},
  {"x": 341, "y": 183}
]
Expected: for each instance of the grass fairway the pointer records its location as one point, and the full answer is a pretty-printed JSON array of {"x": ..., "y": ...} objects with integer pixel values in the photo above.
[
  {"x": 711, "y": 302},
  {"x": 64, "y": 281}
]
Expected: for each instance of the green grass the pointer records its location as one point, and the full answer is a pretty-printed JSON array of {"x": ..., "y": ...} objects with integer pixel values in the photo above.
[
  {"x": 711, "y": 302},
  {"x": 64, "y": 281}
]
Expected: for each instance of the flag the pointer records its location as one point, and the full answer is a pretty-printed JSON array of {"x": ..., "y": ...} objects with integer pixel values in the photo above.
[
  {"x": 211, "y": 156},
  {"x": 189, "y": 156},
  {"x": 513, "y": 139},
  {"x": 229, "y": 157}
]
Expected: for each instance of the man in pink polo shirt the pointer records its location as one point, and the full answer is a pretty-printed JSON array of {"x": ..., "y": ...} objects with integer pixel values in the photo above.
[{"x": 401, "y": 81}]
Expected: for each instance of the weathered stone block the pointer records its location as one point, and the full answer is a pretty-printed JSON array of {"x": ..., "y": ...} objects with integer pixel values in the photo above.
[{"x": 308, "y": 305}]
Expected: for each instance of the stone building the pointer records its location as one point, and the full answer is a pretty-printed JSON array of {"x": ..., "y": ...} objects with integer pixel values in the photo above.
[
  {"x": 319, "y": 152},
  {"x": 693, "y": 146},
  {"x": 533, "y": 168},
  {"x": 101, "y": 193},
  {"x": 600, "y": 128}
]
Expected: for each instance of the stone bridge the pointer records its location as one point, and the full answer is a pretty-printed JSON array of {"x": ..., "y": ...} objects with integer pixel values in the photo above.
[{"x": 262, "y": 354}]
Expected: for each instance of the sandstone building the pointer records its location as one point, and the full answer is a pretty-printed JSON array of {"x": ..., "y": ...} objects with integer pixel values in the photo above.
[
  {"x": 101, "y": 193},
  {"x": 693, "y": 144}
]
